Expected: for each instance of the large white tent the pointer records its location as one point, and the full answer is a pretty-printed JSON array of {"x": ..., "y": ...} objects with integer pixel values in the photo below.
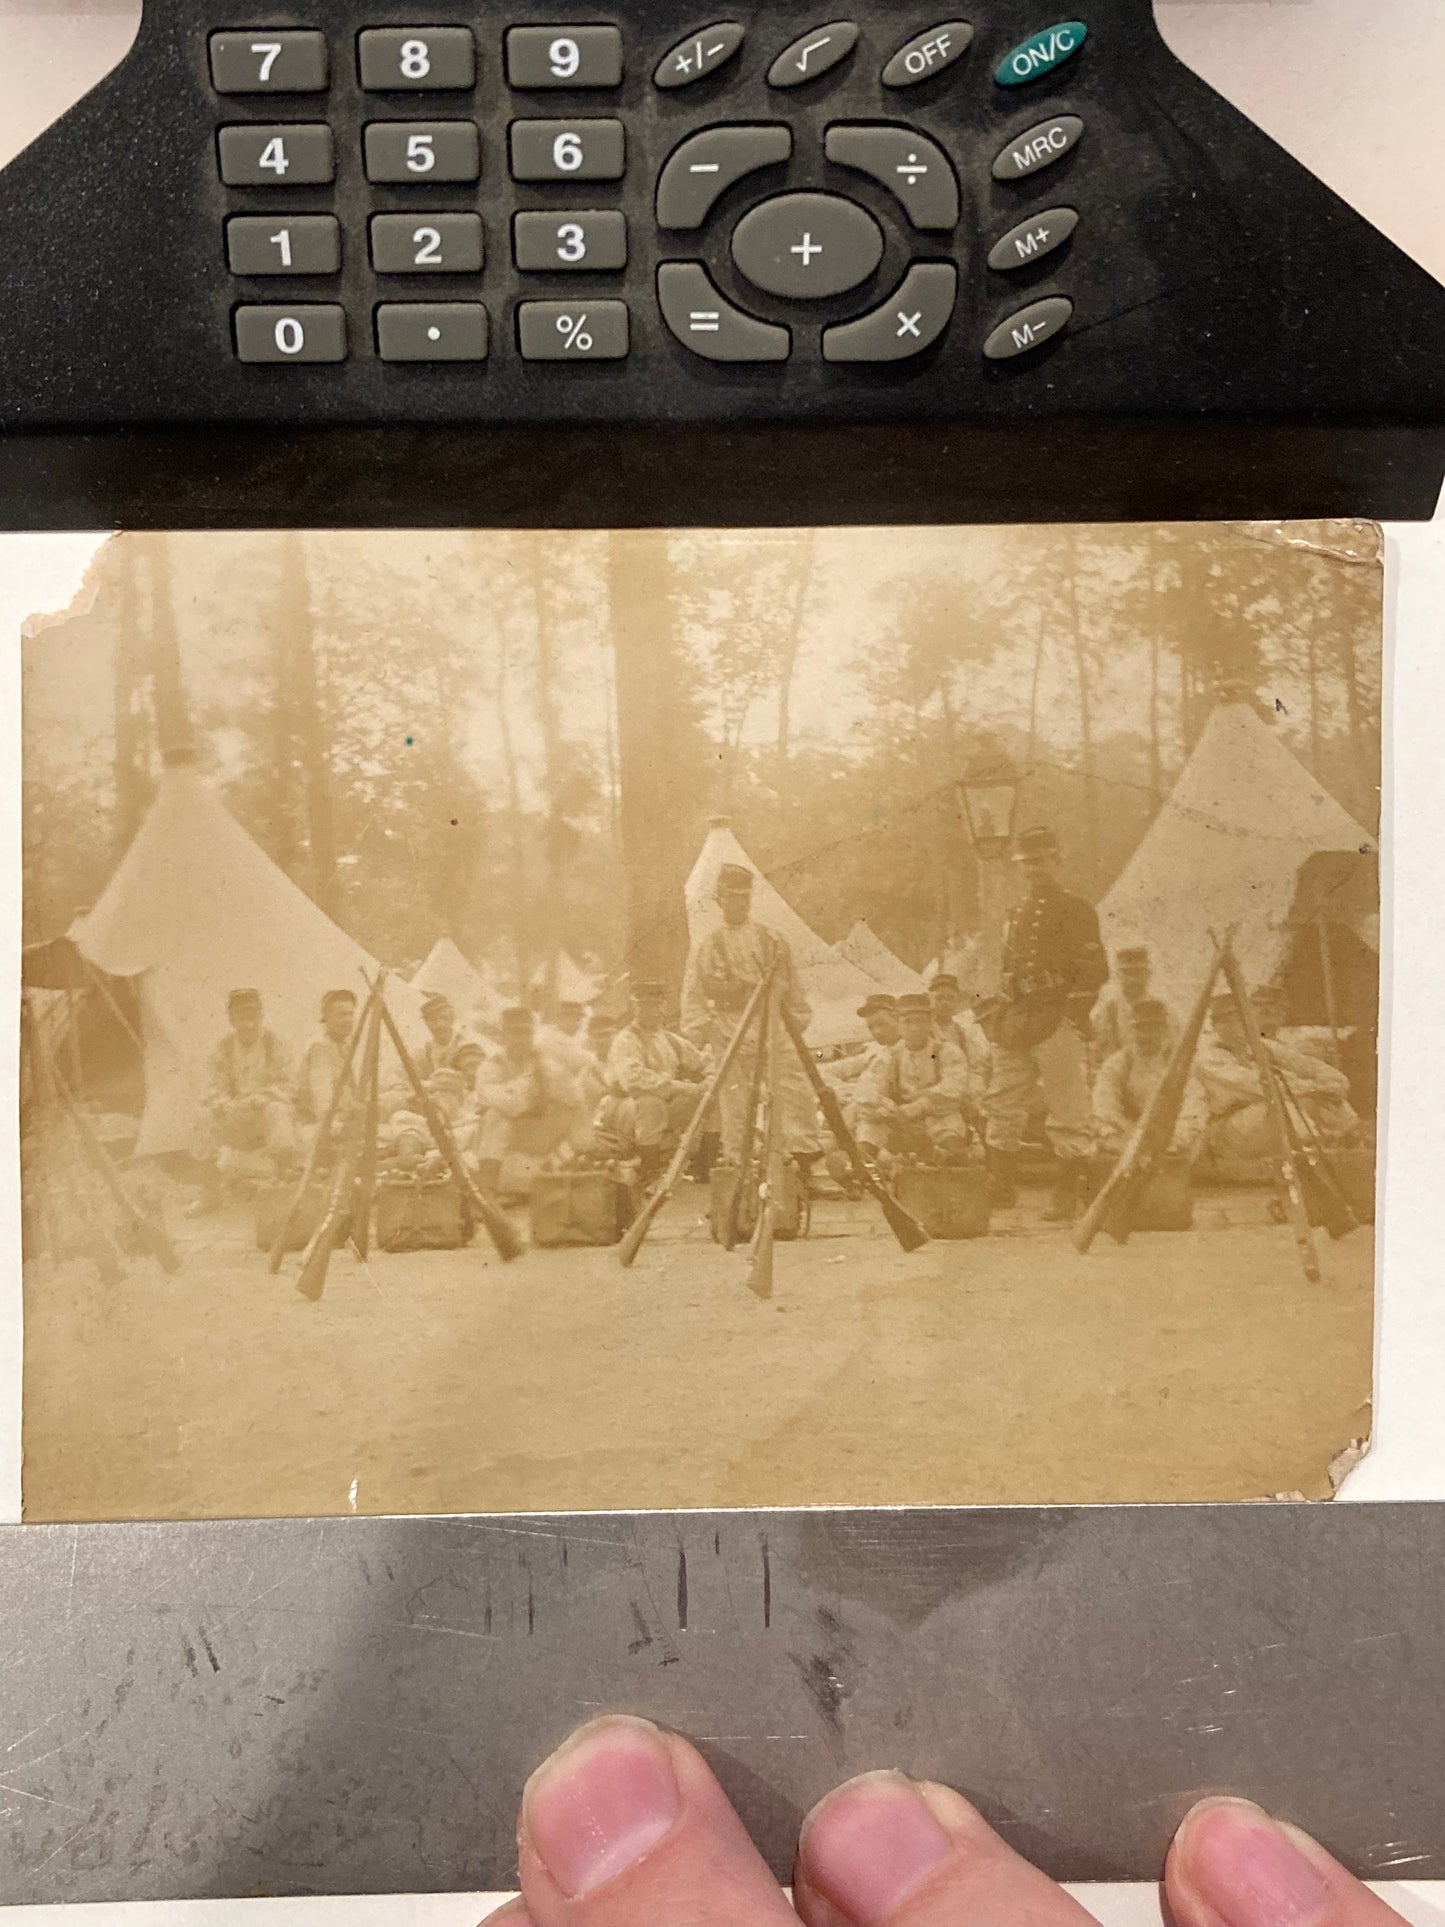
[
  {"x": 1226, "y": 852},
  {"x": 865, "y": 948},
  {"x": 447, "y": 971},
  {"x": 196, "y": 909},
  {"x": 833, "y": 985}
]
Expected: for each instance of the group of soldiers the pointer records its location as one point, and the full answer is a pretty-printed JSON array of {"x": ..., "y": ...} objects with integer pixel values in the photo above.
[{"x": 1065, "y": 1055}]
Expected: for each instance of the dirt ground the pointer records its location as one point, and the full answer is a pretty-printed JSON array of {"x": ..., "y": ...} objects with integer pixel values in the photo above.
[{"x": 1190, "y": 1366}]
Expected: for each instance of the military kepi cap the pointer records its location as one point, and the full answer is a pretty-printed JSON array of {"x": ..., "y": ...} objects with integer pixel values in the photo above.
[
  {"x": 1040, "y": 840},
  {"x": 870, "y": 1006},
  {"x": 434, "y": 1001},
  {"x": 915, "y": 1000},
  {"x": 1132, "y": 953},
  {"x": 734, "y": 876},
  {"x": 943, "y": 980},
  {"x": 243, "y": 1000}
]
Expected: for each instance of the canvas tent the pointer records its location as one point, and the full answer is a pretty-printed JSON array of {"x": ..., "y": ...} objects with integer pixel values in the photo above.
[
  {"x": 833, "y": 985},
  {"x": 1243, "y": 828},
  {"x": 570, "y": 984},
  {"x": 472, "y": 996},
  {"x": 865, "y": 948},
  {"x": 195, "y": 909}
]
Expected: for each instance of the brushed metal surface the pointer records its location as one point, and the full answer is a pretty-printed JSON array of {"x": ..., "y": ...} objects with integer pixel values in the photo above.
[{"x": 351, "y": 1706}]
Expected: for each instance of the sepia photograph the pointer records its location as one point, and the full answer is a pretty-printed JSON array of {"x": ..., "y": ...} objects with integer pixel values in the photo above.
[{"x": 555, "y": 1021}]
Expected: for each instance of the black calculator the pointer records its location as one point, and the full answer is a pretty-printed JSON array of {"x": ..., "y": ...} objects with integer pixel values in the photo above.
[{"x": 347, "y": 261}]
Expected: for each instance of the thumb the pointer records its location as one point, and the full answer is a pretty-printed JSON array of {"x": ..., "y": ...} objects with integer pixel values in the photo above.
[{"x": 1233, "y": 1865}]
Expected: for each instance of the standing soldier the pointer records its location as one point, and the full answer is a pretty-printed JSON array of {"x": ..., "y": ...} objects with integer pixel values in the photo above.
[
  {"x": 722, "y": 972},
  {"x": 1053, "y": 968}
]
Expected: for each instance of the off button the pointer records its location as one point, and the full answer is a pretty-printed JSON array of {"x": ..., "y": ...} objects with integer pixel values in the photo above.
[{"x": 807, "y": 246}]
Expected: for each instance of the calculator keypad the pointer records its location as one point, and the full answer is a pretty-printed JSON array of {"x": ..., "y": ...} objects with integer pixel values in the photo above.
[
  {"x": 564, "y": 57},
  {"x": 417, "y": 60},
  {"x": 280, "y": 61},
  {"x": 764, "y": 239},
  {"x": 276, "y": 244},
  {"x": 295, "y": 155},
  {"x": 419, "y": 152},
  {"x": 427, "y": 243}
]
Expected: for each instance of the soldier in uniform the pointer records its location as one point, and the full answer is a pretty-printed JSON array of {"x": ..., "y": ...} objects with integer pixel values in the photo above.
[
  {"x": 1053, "y": 968},
  {"x": 910, "y": 1099},
  {"x": 323, "y": 1057},
  {"x": 654, "y": 1084},
  {"x": 722, "y": 972},
  {"x": 958, "y": 1024},
  {"x": 247, "y": 1105},
  {"x": 1110, "y": 1019},
  {"x": 1241, "y": 1120},
  {"x": 446, "y": 1037},
  {"x": 1129, "y": 1077},
  {"x": 526, "y": 1101}
]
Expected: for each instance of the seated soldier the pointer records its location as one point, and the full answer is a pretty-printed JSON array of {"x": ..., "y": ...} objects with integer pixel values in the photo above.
[
  {"x": 439, "y": 1052},
  {"x": 322, "y": 1060},
  {"x": 1109, "y": 1020},
  {"x": 246, "y": 1107},
  {"x": 910, "y": 1101},
  {"x": 958, "y": 1023},
  {"x": 526, "y": 1101},
  {"x": 1241, "y": 1122},
  {"x": 655, "y": 1080},
  {"x": 880, "y": 1014},
  {"x": 1128, "y": 1079}
]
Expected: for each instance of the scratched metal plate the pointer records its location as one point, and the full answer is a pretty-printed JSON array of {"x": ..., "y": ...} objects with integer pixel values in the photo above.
[{"x": 351, "y": 1706}]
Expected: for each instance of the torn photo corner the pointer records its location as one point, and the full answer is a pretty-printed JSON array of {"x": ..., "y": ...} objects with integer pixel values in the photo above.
[{"x": 531, "y": 1022}]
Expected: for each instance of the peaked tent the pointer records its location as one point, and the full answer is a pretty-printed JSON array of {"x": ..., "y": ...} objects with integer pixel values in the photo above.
[
  {"x": 1227, "y": 851},
  {"x": 472, "y": 996},
  {"x": 196, "y": 909},
  {"x": 573, "y": 984},
  {"x": 833, "y": 985},
  {"x": 865, "y": 948}
]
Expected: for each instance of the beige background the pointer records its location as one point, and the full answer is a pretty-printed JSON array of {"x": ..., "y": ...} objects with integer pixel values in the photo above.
[{"x": 1351, "y": 87}]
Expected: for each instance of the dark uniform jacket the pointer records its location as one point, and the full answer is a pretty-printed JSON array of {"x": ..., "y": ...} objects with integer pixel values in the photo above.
[{"x": 1053, "y": 967}]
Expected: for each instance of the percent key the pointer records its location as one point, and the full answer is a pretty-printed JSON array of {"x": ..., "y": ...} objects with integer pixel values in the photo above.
[{"x": 573, "y": 331}]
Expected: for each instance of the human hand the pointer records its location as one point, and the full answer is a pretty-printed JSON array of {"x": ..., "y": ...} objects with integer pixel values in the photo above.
[{"x": 625, "y": 1826}]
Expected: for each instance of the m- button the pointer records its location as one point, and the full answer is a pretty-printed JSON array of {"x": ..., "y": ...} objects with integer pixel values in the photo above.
[{"x": 807, "y": 246}]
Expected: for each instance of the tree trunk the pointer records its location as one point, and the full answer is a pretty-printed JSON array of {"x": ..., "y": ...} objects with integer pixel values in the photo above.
[
  {"x": 555, "y": 832},
  {"x": 788, "y": 666},
  {"x": 168, "y": 690},
  {"x": 659, "y": 785},
  {"x": 516, "y": 856},
  {"x": 299, "y": 689},
  {"x": 1086, "y": 732}
]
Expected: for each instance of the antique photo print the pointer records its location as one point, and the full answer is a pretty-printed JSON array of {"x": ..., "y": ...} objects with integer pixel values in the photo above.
[{"x": 540, "y": 1021}]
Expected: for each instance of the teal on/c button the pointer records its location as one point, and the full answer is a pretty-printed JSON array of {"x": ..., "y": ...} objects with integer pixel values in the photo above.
[{"x": 1041, "y": 53}]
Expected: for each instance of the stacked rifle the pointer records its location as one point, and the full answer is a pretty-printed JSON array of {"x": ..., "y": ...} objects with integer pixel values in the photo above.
[
  {"x": 1309, "y": 1182},
  {"x": 769, "y": 1029}
]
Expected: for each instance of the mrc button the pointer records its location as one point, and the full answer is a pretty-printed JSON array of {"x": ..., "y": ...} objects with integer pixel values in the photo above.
[
  {"x": 1030, "y": 328},
  {"x": 1041, "y": 53},
  {"x": 1038, "y": 147},
  {"x": 807, "y": 246},
  {"x": 931, "y": 52}
]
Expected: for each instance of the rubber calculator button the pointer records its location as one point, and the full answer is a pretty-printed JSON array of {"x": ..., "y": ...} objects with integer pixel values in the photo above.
[
  {"x": 266, "y": 60},
  {"x": 701, "y": 54},
  {"x": 1041, "y": 53},
  {"x": 420, "y": 152},
  {"x": 417, "y": 60},
  {"x": 928, "y": 53},
  {"x": 1038, "y": 147},
  {"x": 568, "y": 150},
  {"x": 291, "y": 335},
  {"x": 710, "y": 326},
  {"x": 1033, "y": 239},
  {"x": 427, "y": 243},
  {"x": 296, "y": 154},
  {"x": 908, "y": 164},
  {"x": 910, "y": 320},
  {"x": 706, "y": 165},
  {"x": 813, "y": 54},
  {"x": 564, "y": 57},
  {"x": 295, "y": 244},
  {"x": 807, "y": 246},
  {"x": 570, "y": 240},
  {"x": 431, "y": 331},
  {"x": 1030, "y": 328},
  {"x": 573, "y": 331}
]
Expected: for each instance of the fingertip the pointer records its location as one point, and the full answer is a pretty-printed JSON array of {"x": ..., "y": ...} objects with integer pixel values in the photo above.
[{"x": 1232, "y": 1862}]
